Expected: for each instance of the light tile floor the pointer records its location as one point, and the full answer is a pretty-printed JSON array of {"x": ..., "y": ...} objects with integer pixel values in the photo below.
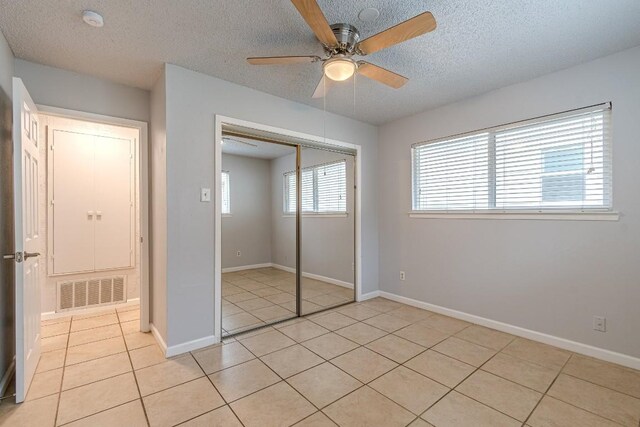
[
  {"x": 257, "y": 297},
  {"x": 376, "y": 363}
]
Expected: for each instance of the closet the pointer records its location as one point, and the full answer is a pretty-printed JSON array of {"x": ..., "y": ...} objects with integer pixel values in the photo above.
[{"x": 91, "y": 197}]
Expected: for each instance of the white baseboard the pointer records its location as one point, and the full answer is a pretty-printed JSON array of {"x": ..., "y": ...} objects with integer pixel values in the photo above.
[
  {"x": 8, "y": 375},
  {"x": 315, "y": 276},
  {"x": 185, "y": 347},
  {"x": 175, "y": 350},
  {"x": 246, "y": 267},
  {"x": 574, "y": 346},
  {"x": 369, "y": 295},
  {"x": 159, "y": 339},
  {"x": 90, "y": 310}
]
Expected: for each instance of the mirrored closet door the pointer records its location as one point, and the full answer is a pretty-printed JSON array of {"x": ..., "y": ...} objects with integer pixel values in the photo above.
[
  {"x": 258, "y": 244},
  {"x": 288, "y": 231},
  {"x": 327, "y": 258}
]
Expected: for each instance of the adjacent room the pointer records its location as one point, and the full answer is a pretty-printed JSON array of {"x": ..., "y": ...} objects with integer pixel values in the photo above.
[{"x": 320, "y": 213}]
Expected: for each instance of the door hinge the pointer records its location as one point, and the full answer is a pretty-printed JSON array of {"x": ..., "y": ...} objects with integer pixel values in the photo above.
[{"x": 141, "y": 239}]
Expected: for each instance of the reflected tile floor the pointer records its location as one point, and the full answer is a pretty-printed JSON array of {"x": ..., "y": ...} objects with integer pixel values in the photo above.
[
  {"x": 376, "y": 363},
  {"x": 262, "y": 296}
]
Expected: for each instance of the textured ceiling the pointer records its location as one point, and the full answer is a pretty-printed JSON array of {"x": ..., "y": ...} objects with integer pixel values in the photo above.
[{"x": 479, "y": 45}]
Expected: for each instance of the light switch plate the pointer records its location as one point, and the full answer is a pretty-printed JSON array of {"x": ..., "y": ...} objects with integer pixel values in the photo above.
[{"x": 205, "y": 194}]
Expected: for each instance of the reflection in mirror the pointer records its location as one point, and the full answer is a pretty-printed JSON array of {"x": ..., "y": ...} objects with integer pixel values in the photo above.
[
  {"x": 328, "y": 229},
  {"x": 254, "y": 292}
]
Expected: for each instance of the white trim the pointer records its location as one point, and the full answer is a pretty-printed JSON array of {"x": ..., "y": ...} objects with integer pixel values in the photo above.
[
  {"x": 574, "y": 346},
  {"x": 8, "y": 375},
  {"x": 246, "y": 267},
  {"x": 292, "y": 135},
  {"x": 48, "y": 315},
  {"x": 369, "y": 295},
  {"x": 315, "y": 276},
  {"x": 188, "y": 346},
  {"x": 143, "y": 190},
  {"x": 156, "y": 334},
  {"x": 556, "y": 216}
]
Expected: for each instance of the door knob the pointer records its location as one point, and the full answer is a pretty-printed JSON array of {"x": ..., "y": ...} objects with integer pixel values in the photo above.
[{"x": 31, "y": 254}]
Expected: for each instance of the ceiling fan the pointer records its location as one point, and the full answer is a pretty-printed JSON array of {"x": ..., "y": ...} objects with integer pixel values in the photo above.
[{"x": 342, "y": 41}]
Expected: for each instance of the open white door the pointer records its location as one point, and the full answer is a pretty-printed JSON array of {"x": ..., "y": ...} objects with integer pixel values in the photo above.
[{"x": 27, "y": 236}]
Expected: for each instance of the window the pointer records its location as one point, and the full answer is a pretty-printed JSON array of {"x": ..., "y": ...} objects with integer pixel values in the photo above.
[
  {"x": 226, "y": 200},
  {"x": 562, "y": 162},
  {"x": 324, "y": 189}
]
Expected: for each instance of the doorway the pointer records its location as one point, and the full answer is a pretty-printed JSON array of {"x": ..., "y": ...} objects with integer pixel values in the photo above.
[
  {"x": 287, "y": 225},
  {"x": 96, "y": 203}
]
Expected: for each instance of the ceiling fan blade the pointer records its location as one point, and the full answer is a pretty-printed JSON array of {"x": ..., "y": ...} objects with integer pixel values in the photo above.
[
  {"x": 414, "y": 27},
  {"x": 323, "y": 87},
  {"x": 284, "y": 60},
  {"x": 381, "y": 75},
  {"x": 312, "y": 13}
]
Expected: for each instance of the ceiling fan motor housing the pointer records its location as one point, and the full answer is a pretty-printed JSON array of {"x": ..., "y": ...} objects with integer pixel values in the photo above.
[{"x": 347, "y": 36}]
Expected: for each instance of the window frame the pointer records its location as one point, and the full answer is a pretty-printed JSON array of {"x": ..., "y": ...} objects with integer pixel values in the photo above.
[
  {"x": 315, "y": 212},
  {"x": 492, "y": 212}
]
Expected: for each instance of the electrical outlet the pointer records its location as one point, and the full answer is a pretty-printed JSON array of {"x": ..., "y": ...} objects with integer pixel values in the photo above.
[
  {"x": 600, "y": 323},
  {"x": 238, "y": 253},
  {"x": 402, "y": 275}
]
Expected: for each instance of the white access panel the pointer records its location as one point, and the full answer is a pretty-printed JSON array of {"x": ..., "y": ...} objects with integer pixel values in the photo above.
[
  {"x": 115, "y": 196},
  {"x": 73, "y": 201},
  {"x": 92, "y": 197}
]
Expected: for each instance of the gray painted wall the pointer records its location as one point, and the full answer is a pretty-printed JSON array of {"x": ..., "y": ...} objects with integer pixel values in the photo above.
[
  {"x": 328, "y": 243},
  {"x": 548, "y": 276},
  {"x": 7, "y": 325},
  {"x": 158, "y": 207},
  {"x": 6, "y": 67},
  {"x": 248, "y": 229},
  {"x": 192, "y": 101},
  {"x": 65, "y": 89}
]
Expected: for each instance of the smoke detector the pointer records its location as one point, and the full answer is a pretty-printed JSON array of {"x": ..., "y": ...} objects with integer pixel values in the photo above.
[
  {"x": 368, "y": 14},
  {"x": 92, "y": 18}
]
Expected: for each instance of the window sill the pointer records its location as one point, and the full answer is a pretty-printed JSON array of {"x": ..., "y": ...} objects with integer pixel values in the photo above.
[
  {"x": 226, "y": 215},
  {"x": 318, "y": 215},
  {"x": 526, "y": 215}
]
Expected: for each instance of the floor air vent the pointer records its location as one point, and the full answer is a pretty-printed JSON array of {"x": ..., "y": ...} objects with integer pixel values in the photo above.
[{"x": 74, "y": 294}]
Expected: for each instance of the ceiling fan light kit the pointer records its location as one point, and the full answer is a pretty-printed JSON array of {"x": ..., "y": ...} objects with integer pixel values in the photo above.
[
  {"x": 339, "y": 69},
  {"x": 342, "y": 41}
]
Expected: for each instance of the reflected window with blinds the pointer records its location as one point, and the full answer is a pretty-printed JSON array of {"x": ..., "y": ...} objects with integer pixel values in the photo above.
[
  {"x": 226, "y": 199},
  {"x": 559, "y": 162},
  {"x": 324, "y": 189}
]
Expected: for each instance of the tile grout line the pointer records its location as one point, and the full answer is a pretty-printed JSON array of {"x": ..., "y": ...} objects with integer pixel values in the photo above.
[
  {"x": 281, "y": 380},
  {"x": 217, "y": 390},
  {"x": 64, "y": 368},
  {"x": 569, "y": 403},
  {"x": 133, "y": 372},
  {"x": 547, "y": 390}
]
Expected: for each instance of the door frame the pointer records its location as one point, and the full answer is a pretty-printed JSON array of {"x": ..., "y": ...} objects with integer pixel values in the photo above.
[
  {"x": 291, "y": 136},
  {"x": 143, "y": 188}
]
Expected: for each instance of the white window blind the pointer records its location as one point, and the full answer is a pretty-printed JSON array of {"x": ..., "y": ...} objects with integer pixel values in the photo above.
[
  {"x": 560, "y": 162},
  {"x": 324, "y": 189},
  {"x": 226, "y": 200}
]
